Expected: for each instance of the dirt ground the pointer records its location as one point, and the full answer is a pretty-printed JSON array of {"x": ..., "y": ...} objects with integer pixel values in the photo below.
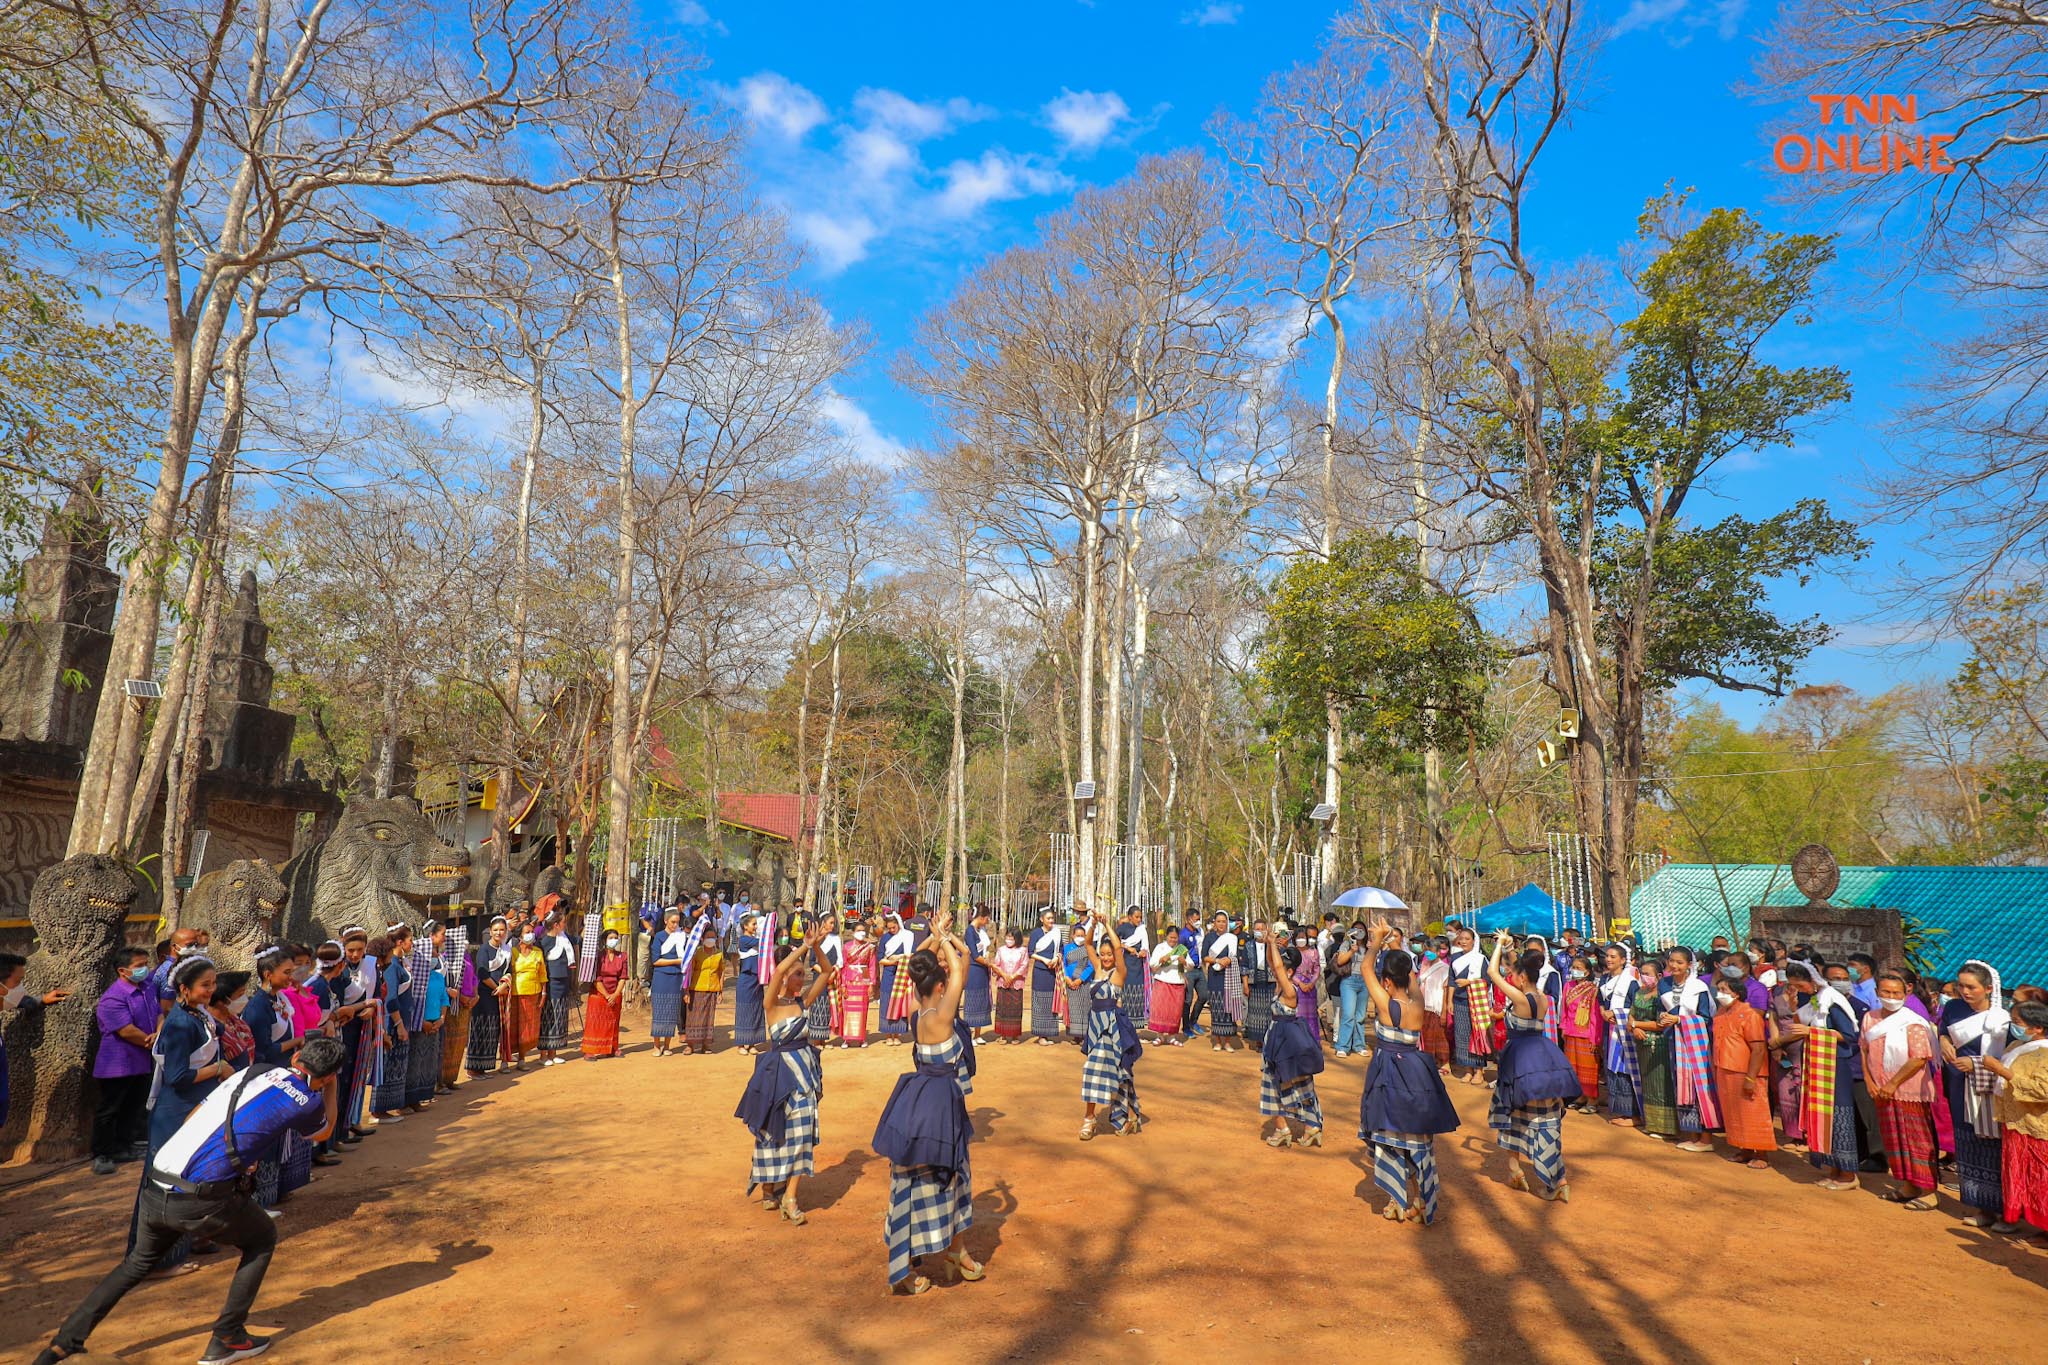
[{"x": 593, "y": 1212}]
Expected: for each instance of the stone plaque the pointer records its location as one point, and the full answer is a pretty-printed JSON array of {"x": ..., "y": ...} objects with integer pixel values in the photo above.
[{"x": 1835, "y": 931}]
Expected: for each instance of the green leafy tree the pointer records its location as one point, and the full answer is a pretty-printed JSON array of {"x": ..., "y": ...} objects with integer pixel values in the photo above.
[{"x": 1406, "y": 662}]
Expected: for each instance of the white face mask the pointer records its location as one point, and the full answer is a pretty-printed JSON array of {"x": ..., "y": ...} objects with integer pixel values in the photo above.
[
  {"x": 860, "y": 936},
  {"x": 612, "y": 941},
  {"x": 1887, "y": 1004},
  {"x": 1725, "y": 998},
  {"x": 14, "y": 997}
]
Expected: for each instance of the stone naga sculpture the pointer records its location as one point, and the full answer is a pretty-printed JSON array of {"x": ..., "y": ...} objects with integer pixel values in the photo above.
[
  {"x": 380, "y": 866},
  {"x": 507, "y": 893},
  {"x": 79, "y": 908},
  {"x": 239, "y": 906}
]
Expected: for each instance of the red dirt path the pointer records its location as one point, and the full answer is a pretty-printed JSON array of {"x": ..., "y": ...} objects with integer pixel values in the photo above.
[{"x": 593, "y": 1212}]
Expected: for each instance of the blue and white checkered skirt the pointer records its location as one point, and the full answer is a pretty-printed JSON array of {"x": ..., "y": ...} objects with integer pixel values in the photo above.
[
  {"x": 928, "y": 1207},
  {"x": 1402, "y": 1158},
  {"x": 1536, "y": 1132},
  {"x": 775, "y": 1162},
  {"x": 1298, "y": 1101}
]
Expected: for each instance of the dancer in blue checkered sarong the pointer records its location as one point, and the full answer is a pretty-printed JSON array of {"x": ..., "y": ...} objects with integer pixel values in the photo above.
[
  {"x": 780, "y": 1103},
  {"x": 924, "y": 1129},
  {"x": 1290, "y": 1059},
  {"x": 1405, "y": 1105},
  {"x": 1111, "y": 1046},
  {"x": 1535, "y": 1080}
]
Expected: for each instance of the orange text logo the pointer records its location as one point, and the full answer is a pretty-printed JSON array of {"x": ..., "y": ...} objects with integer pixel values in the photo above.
[{"x": 1883, "y": 148}]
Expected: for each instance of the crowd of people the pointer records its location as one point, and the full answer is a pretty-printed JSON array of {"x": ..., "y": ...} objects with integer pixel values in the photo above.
[{"x": 1865, "y": 1067}]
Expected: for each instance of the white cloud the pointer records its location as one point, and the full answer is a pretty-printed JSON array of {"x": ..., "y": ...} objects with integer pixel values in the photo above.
[
  {"x": 1217, "y": 13},
  {"x": 691, "y": 14},
  {"x": 917, "y": 120},
  {"x": 836, "y": 242},
  {"x": 1084, "y": 119},
  {"x": 995, "y": 176},
  {"x": 1680, "y": 19},
  {"x": 869, "y": 443},
  {"x": 778, "y": 104}
]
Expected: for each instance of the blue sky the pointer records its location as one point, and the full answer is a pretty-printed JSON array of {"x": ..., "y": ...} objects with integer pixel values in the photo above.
[{"x": 908, "y": 140}]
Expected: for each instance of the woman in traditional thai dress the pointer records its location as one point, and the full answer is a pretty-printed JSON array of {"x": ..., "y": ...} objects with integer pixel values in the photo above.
[
  {"x": 423, "y": 1068},
  {"x": 1433, "y": 971},
  {"x": 1108, "y": 1070},
  {"x": 1685, "y": 1009},
  {"x": 1045, "y": 980},
  {"x": 1170, "y": 966},
  {"x": 394, "y": 951},
  {"x": 1975, "y": 1026},
  {"x": 1471, "y": 1010},
  {"x": 2021, "y": 1097},
  {"x": 924, "y": 1129},
  {"x": 607, "y": 999},
  {"x": 1618, "y": 1065},
  {"x": 189, "y": 1065},
  {"x": 780, "y": 1103},
  {"x": 268, "y": 1018},
  {"x": 1785, "y": 1036},
  {"x": 707, "y": 983},
  {"x": 1219, "y": 970},
  {"x": 1137, "y": 949},
  {"x": 895, "y": 996},
  {"x": 856, "y": 988},
  {"x": 749, "y": 1001},
  {"x": 1656, "y": 1080},
  {"x": 1308, "y": 974},
  {"x": 1582, "y": 1028},
  {"x": 462, "y": 988},
  {"x": 1012, "y": 975},
  {"x": 825, "y": 1010},
  {"x": 529, "y": 990},
  {"x": 1258, "y": 970},
  {"x": 977, "y": 1005},
  {"x": 1827, "y": 1025},
  {"x": 355, "y": 989},
  {"x": 1077, "y": 976},
  {"x": 1290, "y": 1059},
  {"x": 671, "y": 955},
  {"x": 1742, "y": 1075},
  {"x": 492, "y": 962},
  {"x": 1533, "y": 1082},
  {"x": 1899, "y": 1067},
  {"x": 556, "y": 1005},
  {"x": 1405, "y": 1105}
]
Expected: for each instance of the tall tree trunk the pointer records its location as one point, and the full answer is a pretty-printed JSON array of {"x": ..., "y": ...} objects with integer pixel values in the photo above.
[
  {"x": 828, "y": 805},
  {"x": 619, "y": 778},
  {"x": 515, "y": 680},
  {"x": 1333, "y": 721},
  {"x": 1084, "y": 658}
]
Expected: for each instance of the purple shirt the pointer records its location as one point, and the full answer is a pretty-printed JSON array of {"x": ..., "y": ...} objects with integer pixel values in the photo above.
[
  {"x": 1759, "y": 996},
  {"x": 123, "y": 1004}
]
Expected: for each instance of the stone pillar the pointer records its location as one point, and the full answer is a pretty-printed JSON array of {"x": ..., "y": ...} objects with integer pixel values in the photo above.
[{"x": 53, "y": 659}]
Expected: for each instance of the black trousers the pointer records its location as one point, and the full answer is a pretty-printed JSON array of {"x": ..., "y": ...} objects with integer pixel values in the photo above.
[
  {"x": 164, "y": 1217},
  {"x": 1869, "y": 1133},
  {"x": 121, "y": 1117}
]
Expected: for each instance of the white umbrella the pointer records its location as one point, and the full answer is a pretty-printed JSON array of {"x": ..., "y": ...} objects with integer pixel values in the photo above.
[{"x": 1370, "y": 898}]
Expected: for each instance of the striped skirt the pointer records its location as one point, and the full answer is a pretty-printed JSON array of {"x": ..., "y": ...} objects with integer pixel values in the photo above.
[
  {"x": 1534, "y": 1132},
  {"x": 522, "y": 1026},
  {"x": 423, "y": 1067},
  {"x": 1979, "y": 1169},
  {"x": 1585, "y": 1059},
  {"x": 667, "y": 1005},
  {"x": 454, "y": 1043},
  {"x": 1009, "y": 1012},
  {"x": 697, "y": 1028},
  {"x": 1298, "y": 1101},
  {"x": 1402, "y": 1162},
  {"x": 482, "y": 1053},
  {"x": 928, "y": 1207},
  {"x": 1908, "y": 1142},
  {"x": 1168, "y": 1000},
  {"x": 554, "y": 1023},
  {"x": 776, "y": 1162},
  {"x": 1044, "y": 1022},
  {"x": 390, "y": 1093},
  {"x": 1435, "y": 1041}
]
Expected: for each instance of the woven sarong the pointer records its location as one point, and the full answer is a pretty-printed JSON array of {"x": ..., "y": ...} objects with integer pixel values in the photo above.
[
  {"x": 1479, "y": 1007},
  {"x": 1908, "y": 1142},
  {"x": 1009, "y": 1012},
  {"x": 1694, "y": 1056},
  {"x": 1817, "y": 1098}
]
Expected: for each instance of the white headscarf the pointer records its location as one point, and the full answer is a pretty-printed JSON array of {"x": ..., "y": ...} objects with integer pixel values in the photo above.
[
  {"x": 1990, "y": 1024},
  {"x": 1618, "y": 988},
  {"x": 1549, "y": 968}
]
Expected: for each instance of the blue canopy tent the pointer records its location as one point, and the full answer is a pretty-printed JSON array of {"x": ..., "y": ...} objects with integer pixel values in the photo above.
[{"x": 1527, "y": 911}]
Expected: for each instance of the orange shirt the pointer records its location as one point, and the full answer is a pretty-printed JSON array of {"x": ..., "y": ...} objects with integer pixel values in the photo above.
[{"x": 1735, "y": 1028}]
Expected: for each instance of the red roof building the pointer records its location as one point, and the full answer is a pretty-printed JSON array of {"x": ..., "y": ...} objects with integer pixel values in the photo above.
[{"x": 773, "y": 814}]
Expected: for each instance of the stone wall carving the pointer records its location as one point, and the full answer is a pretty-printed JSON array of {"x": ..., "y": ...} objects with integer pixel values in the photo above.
[
  {"x": 380, "y": 866},
  {"x": 79, "y": 908}
]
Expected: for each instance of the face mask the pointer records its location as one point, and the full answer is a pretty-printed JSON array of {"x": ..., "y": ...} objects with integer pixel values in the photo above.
[
  {"x": 14, "y": 997},
  {"x": 235, "y": 1005},
  {"x": 1580, "y": 973},
  {"x": 860, "y": 935},
  {"x": 612, "y": 941},
  {"x": 1733, "y": 973},
  {"x": 1429, "y": 956},
  {"x": 180, "y": 949},
  {"x": 1885, "y": 1004},
  {"x": 138, "y": 974},
  {"x": 2018, "y": 1032},
  {"x": 300, "y": 973},
  {"x": 1725, "y": 998}
]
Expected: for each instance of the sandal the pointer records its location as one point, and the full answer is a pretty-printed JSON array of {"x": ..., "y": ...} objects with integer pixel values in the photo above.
[
  {"x": 910, "y": 1288},
  {"x": 968, "y": 1268},
  {"x": 1920, "y": 1204},
  {"x": 1516, "y": 1182},
  {"x": 1392, "y": 1213},
  {"x": 1278, "y": 1138},
  {"x": 1310, "y": 1137},
  {"x": 790, "y": 1211},
  {"x": 1558, "y": 1194},
  {"x": 1757, "y": 1163},
  {"x": 1087, "y": 1129}
]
